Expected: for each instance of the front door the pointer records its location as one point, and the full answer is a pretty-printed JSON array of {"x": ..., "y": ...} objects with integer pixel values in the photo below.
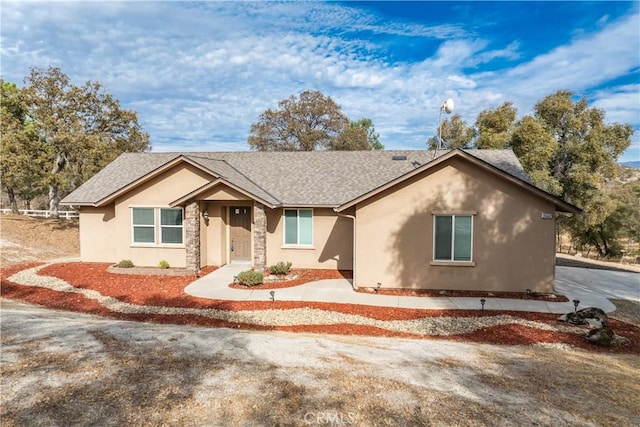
[{"x": 240, "y": 223}]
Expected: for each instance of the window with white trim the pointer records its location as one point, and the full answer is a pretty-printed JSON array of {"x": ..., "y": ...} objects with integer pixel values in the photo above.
[
  {"x": 162, "y": 226},
  {"x": 298, "y": 227},
  {"x": 144, "y": 226},
  {"x": 452, "y": 239},
  {"x": 170, "y": 226}
]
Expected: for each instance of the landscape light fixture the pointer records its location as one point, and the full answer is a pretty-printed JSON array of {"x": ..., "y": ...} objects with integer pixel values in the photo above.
[
  {"x": 447, "y": 106},
  {"x": 482, "y": 301},
  {"x": 273, "y": 295},
  {"x": 576, "y": 302}
]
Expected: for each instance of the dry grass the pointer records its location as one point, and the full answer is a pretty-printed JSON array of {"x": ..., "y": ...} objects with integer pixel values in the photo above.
[
  {"x": 124, "y": 375},
  {"x": 104, "y": 372},
  {"x": 26, "y": 239}
]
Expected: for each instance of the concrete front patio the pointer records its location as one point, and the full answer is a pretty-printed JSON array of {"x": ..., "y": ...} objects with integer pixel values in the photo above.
[{"x": 591, "y": 287}]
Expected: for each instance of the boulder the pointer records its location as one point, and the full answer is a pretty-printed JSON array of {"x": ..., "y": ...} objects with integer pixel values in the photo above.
[
  {"x": 601, "y": 336},
  {"x": 592, "y": 316}
]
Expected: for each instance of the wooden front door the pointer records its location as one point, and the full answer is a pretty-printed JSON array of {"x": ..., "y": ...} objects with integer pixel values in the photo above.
[{"x": 240, "y": 222}]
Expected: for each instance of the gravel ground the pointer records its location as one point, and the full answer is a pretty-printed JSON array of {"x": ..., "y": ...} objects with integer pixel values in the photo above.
[{"x": 62, "y": 368}]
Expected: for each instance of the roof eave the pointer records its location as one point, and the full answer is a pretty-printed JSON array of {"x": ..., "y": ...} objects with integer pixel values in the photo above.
[
  {"x": 90, "y": 204},
  {"x": 308, "y": 205}
]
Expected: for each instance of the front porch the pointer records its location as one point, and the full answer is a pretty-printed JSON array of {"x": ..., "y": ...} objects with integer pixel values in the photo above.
[{"x": 220, "y": 232}]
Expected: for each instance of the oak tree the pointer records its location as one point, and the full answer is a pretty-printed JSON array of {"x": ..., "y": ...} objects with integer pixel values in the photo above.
[
  {"x": 79, "y": 128},
  {"x": 21, "y": 158},
  {"x": 569, "y": 150},
  {"x": 494, "y": 127},
  {"x": 308, "y": 122},
  {"x": 358, "y": 135},
  {"x": 454, "y": 133}
]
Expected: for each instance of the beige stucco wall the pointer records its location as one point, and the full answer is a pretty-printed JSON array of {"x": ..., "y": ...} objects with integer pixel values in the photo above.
[
  {"x": 332, "y": 241},
  {"x": 513, "y": 247},
  {"x": 157, "y": 192},
  {"x": 97, "y": 234}
]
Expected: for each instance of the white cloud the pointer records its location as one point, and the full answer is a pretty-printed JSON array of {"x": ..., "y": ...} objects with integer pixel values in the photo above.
[
  {"x": 200, "y": 73},
  {"x": 587, "y": 61},
  {"x": 620, "y": 103}
]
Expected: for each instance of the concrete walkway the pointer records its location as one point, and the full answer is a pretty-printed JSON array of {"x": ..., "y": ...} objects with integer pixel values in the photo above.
[{"x": 591, "y": 287}]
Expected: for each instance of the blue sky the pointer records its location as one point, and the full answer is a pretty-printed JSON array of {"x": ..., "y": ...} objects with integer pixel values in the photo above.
[{"x": 200, "y": 73}]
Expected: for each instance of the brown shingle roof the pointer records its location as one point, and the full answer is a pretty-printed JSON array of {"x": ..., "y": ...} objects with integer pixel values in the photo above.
[{"x": 326, "y": 178}]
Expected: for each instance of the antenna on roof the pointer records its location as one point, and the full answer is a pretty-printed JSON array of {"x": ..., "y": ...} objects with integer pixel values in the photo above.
[{"x": 447, "y": 107}]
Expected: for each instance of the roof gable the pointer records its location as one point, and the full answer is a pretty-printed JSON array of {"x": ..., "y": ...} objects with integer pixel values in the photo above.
[
  {"x": 211, "y": 185},
  {"x": 149, "y": 176},
  {"x": 501, "y": 172}
]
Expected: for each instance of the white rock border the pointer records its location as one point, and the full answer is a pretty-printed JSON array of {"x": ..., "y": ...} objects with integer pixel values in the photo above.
[{"x": 426, "y": 326}]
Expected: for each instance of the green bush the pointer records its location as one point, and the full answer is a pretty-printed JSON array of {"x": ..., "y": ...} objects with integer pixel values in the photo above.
[
  {"x": 125, "y": 263},
  {"x": 163, "y": 264},
  {"x": 280, "y": 269},
  {"x": 250, "y": 278}
]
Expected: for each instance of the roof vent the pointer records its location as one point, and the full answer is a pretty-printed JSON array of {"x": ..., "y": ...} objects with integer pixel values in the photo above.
[{"x": 399, "y": 157}]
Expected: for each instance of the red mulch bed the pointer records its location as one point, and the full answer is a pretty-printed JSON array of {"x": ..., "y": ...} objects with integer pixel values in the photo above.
[
  {"x": 303, "y": 276},
  {"x": 168, "y": 291}
]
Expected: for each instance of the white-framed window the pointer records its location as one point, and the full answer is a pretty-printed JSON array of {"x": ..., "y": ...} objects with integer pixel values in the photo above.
[
  {"x": 162, "y": 226},
  {"x": 452, "y": 238},
  {"x": 298, "y": 227},
  {"x": 170, "y": 226},
  {"x": 144, "y": 225}
]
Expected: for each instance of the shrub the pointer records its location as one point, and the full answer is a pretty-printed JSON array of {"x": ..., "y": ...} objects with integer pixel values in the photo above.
[
  {"x": 280, "y": 269},
  {"x": 125, "y": 263},
  {"x": 250, "y": 278},
  {"x": 163, "y": 264}
]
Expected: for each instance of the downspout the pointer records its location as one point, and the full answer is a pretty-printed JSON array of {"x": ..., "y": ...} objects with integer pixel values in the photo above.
[{"x": 353, "y": 262}]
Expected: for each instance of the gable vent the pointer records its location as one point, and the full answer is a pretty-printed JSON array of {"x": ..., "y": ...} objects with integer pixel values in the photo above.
[{"x": 399, "y": 157}]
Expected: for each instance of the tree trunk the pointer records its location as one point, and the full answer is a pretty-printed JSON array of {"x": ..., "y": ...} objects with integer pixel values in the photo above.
[
  {"x": 12, "y": 200},
  {"x": 598, "y": 248},
  {"x": 53, "y": 200},
  {"x": 58, "y": 166}
]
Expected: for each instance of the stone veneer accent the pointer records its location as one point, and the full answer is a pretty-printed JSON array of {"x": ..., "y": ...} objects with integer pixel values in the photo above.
[
  {"x": 192, "y": 235},
  {"x": 259, "y": 237}
]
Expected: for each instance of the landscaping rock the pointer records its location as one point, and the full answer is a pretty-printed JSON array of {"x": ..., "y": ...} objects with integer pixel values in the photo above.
[
  {"x": 601, "y": 336},
  {"x": 592, "y": 316}
]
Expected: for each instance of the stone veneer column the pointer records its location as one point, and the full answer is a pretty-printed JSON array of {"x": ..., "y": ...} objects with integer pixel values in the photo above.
[
  {"x": 192, "y": 235},
  {"x": 259, "y": 237}
]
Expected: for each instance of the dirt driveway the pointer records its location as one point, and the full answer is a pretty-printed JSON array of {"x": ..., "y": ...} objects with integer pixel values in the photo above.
[{"x": 61, "y": 368}]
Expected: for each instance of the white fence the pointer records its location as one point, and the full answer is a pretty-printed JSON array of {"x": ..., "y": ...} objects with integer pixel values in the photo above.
[{"x": 43, "y": 213}]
